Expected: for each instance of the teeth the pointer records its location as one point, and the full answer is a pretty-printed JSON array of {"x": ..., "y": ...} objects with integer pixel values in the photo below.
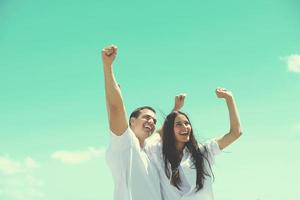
[{"x": 184, "y": 133}]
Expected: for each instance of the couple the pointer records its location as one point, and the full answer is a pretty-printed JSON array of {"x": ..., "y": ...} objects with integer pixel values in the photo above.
[{"x": 170, "y": 165}]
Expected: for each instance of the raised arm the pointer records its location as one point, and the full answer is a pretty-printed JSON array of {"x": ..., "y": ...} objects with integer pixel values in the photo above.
[
  {"x": 178, "y": 104},
  {"x": 179, "y": 101},
  {"x": 235, "y": 127},
  {"x": 114, "y": 102}
]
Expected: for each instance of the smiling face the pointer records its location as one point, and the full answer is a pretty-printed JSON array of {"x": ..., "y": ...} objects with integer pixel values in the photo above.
[
  {"x": 144, "y": 125},
  {"x": 182, "y": 129}
]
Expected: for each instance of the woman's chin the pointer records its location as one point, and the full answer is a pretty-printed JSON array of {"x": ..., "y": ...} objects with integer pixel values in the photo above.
[{"x": 185, "y": 140}]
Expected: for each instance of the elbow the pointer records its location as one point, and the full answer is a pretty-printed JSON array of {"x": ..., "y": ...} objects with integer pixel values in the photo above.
[{"x": 237, "y": 132}]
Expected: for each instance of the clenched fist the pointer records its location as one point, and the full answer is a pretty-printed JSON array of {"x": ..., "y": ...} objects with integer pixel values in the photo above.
[
  {"x": 109, "y": 54},
  {"x": 224, "y": 93}
]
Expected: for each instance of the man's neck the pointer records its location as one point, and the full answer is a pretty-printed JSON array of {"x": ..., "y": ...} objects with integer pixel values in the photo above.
[{"x": 141, "y": 139}]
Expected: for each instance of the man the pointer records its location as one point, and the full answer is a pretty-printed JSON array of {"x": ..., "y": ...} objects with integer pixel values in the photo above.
[{"x": 135, "y": 178}]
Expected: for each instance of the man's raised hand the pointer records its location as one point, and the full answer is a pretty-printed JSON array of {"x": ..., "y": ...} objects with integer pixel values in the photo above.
[{"x": 108, "y": 55}]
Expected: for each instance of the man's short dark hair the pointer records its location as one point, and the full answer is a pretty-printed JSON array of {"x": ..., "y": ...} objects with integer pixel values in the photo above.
[{"x": 136, "y": 113}]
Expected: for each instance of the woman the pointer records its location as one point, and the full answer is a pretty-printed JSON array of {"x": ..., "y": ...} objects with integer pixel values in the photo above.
[{"x": 184, "y": 165}]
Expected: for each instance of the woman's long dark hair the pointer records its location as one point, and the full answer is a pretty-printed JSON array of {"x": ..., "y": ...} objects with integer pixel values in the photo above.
[{"x": 173, "y": 157}]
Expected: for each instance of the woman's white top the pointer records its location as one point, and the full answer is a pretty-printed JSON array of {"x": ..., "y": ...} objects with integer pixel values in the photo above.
[{"x": 187, "y": 171}]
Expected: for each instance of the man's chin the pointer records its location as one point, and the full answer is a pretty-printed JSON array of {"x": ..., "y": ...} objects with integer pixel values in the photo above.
[{"x": 148, "y": 132}]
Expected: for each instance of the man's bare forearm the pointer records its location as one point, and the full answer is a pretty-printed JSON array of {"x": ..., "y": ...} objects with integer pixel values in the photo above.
[
  {"x": 112, "y": 90},
  {"x": 114, "y": 102}
]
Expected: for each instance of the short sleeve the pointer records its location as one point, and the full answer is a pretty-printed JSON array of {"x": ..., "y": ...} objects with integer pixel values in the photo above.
[
  {"x": 212, "y": 148},
  {"x": 122, "y": 142}
]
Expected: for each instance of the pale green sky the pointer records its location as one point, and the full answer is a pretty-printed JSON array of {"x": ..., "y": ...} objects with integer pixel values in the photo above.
[{"x": 52, "y": 95}]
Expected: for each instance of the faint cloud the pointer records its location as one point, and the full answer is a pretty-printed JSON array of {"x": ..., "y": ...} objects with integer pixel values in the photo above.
[
  {"x": 293, "y": 63},
  {"x": 17, "y": 181},
  {"x": 76, "y": 157},
  {"x": 10, "y": 166},
  {"x": 30, "y": 163},
  {"x": 21, "y": 187}
]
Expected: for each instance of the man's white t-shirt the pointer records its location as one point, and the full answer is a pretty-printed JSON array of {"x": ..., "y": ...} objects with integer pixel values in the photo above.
[
  {"x": 135, "y": 177},
  {"x": 187, "y": 172}
]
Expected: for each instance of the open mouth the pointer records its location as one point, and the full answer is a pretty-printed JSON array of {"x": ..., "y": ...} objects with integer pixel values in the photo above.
[
  {"x": 184, "y": 133},
  {"x": 148, "y": 127}
]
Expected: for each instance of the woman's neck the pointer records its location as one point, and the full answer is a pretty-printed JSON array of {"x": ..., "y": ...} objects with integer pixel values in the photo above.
[{"x": 180, "y": 146}]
